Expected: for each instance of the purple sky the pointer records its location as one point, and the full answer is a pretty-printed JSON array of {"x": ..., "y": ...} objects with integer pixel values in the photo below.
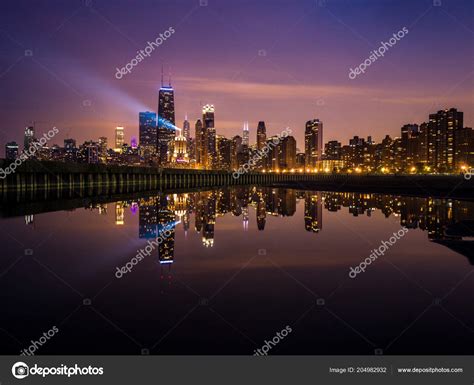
[{"x": 306, "y": 50}]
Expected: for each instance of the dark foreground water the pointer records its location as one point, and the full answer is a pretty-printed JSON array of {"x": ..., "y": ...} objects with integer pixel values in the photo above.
[{"x": 239, "y": 266}]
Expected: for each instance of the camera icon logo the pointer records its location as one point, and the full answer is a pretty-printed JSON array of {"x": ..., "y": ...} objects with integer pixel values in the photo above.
[{"x": 20, "y": 370}]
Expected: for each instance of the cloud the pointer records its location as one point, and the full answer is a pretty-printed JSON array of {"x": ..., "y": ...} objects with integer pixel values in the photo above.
[
  {"x": 253, "y": 90},
  {"x": 281, "y": 92}
]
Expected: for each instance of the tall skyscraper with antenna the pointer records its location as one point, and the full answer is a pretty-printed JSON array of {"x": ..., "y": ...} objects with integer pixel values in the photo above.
[{"x": 166, "y": 118}]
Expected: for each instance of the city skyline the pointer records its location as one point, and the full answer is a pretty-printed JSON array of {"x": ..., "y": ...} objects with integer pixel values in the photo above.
[
  {"x": 249, "y": 80},
  {"x": 441, "y": 144}
]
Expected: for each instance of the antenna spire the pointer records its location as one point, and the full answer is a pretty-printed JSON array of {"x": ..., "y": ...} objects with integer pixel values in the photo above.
[{"x": 162, "y": 75}]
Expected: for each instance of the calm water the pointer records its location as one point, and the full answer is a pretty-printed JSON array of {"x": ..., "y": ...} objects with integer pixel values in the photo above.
[{"x": 239, "y": 266}]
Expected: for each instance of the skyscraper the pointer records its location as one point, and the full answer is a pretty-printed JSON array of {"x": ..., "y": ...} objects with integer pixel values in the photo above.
[
  {"x": 199, "y": 150},
  {"x": 313, "y": 142},
  {"x": 147, "y": 129},
  {"x": 288, "y": 152},
  {"x": 166, "y": 121},
  {"x": 119, "y": 138},
  {"x": 11, "y": 150},
  {"x": 465, "y": 148},
  {"x": 261, "y": 135},
  {"x": 224, "y": 153},
  {"x": 29, "y": 137},
  {"x": 409, "y": 141},
  {"x": 91, "y": 152},
  {"x": 186, "y": 129},
  {"x": 102, "y": 149},
  {"x": 423, "y": 143},
  {"x": 70, "y": 149},
  {"x": 246, "y": 135},
  {"x": 209, "y": 145},
  {"x": 236, "y": 149},
  {"x": 443, "y": 126}
]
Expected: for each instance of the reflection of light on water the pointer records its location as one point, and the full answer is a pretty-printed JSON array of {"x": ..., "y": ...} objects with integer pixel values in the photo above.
[
  {"x": 29, "y": 219},
  {"x": 119, "y": 214},
  {"x": 134, "y": 207},
  {"x": 207, "y": 242}
]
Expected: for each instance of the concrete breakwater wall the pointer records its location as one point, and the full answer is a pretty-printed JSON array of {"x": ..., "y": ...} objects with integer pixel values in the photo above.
[{"x": 57, "y": 179}]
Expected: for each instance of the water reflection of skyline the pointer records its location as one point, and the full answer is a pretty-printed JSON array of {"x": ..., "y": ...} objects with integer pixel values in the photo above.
[
  {"x": 276, "y": 234},
  {"x": 448, "y": 222}
]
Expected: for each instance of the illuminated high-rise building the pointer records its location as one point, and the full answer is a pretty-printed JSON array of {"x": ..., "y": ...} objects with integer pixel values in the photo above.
[
  {"x": 332, "y": 150},
  {"x": 186, "y": 129},
  {"x": 313, "y": 142},
  {"x": 209, "y": 156},
  {"x": 409, "y": 140},
  {"x": 119, "y": 138},
  {"x": 443, "y": 127},
  {"x": 11, "y": 150},
  {"x": 246, "y": 135},
  {"x": 236, "y": 149},
  {"x": 199, "y": 144},
  {"x": 90, "y": 152},
  {"x": 166, "y": 121},
  {"x": 287, "y": 154},
  {"x": 147, "y": 128},
  {"x": 224, "y": 152},
  {"x": 102, "y": 149},
  {"x": 70, "y": 149},
  {"x": 465, "y": 148},
  {"x": 29, "y": 137},
  {"x": 261, "y": 135}
]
